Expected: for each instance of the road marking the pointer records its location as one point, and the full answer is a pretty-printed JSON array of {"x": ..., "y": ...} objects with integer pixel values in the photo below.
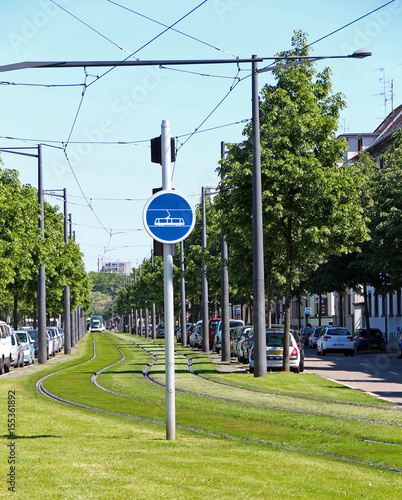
[
  {"x": 363, "y": 364},
  {"x": 393, "y": 373}
]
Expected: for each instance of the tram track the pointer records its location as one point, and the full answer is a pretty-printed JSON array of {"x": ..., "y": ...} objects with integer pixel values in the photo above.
[
  {"x": 239, "y": 401},
  {"x": 45, "y": 392}
]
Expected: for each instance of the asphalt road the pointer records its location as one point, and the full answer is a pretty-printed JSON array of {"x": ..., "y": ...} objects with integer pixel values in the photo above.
[{"x": 378, "y": 374}]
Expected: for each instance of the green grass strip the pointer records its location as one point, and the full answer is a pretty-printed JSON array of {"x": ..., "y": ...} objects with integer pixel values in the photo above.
[{"x": 67, "y": 452}]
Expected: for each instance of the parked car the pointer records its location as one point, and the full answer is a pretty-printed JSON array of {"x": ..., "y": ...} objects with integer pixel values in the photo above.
[
  {"x": 17, "y": 350},
  {"x": 241, "y": 333},
  {"x": 61, "y": 330},
  {"x": 49, "y": 342},
  {"x": 160, "y": 331},
  {"x": 178, "y": 333},
  {"x": 212, "y": 329},
  {"x": 275, "y": 340},
  {"x": 300, "y": 346},
  {"x": 56, "y": 335},
  {"x": 196, "y": 335},
  {"x": 305, "y": 334},
  {"x": 55, "y": 338},
  {"x": 217, "y": 346},
  {"x": 336, "y": 339},
  {"x": 312, "y": 340},
  {"x": 247, "y": 345},
  {"x": 377, "y": 339},
  {"x": 27, "y": 346},
  {"x": 5, "y": 347}
]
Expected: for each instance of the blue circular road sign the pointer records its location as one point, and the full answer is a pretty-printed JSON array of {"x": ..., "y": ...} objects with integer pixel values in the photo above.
[{"x": 168, "y": 216}]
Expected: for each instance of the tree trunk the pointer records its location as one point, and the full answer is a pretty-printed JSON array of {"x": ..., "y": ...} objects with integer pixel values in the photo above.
[
  {"x": 319, "y": 308},
  {"x": 367, "y": 316},
  {"x": 288, "y": 296},
  {"x": 15, "y": 312},
  {"x": 341, "y": 294},
  {"x": 268, "y": 294}
]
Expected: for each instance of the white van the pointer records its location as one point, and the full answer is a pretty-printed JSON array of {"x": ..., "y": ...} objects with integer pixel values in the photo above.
[{"x": 5, "y": 348}]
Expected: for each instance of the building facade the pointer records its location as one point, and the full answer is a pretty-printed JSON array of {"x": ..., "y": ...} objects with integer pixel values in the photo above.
[{"x": 114, "y": 266}]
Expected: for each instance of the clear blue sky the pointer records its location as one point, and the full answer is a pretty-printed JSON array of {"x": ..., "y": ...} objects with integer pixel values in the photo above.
[{"x": 129, "y": 104}]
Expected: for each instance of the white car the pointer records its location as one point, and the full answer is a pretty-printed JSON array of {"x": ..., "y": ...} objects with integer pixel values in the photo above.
[
  {"x": 54, "y": 334},
  {"x": 336, "y": 339},
  {"x": 275, "y": 339},
  {"x": 5, "y": 348},
  {"x": 17, "y": 350}
]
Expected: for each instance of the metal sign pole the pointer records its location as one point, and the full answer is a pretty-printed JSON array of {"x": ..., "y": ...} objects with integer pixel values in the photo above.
[{"x": 168, "y": 295}]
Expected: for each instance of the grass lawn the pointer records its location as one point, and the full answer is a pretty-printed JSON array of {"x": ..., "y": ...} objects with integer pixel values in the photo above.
[{"x": 284, "y": 436}]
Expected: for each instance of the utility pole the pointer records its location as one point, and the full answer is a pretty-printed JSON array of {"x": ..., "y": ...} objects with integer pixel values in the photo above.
[
  {"x": 42, "y": 345},
  {"x": 168, "y": 294},
  {"x": 67, "y": 322},
  {"x": 153, "y": 306},
  {"x": 225, "y": 355},
  {"x": 183, "y": 297},
  {"x": 205, "y": 314},
  {"x": 260, "y": 356}
]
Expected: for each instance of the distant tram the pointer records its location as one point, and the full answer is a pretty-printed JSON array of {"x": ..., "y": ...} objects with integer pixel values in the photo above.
[{"x": 96, "y": 324}]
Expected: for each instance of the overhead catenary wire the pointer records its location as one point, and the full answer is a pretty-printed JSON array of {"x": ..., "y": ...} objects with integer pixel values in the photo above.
[
  {"x": 352, "y": 22},
  {"x": 49, "y": 85},
  {"x": 173, "y": 29},
  {"x": 152, "y": 40},
  {"x": 144, "y": 142},
  {"x": 90, "y": 27}
]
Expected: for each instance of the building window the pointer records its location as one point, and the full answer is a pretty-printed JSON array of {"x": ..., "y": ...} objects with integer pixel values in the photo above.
[
  {"x": 391, "y": 304},
  {"x": 324, "y": 306},
  {"x": 375, "y": 305},
  {"x": 359, "y": 144},
  {"x": 369, "y": 303},
  {"x": 398, "y": 303},
  {"x": 383, "y": 305}
]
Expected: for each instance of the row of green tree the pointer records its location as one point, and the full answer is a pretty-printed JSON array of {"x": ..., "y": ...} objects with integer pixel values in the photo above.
[
  {"x": 328, "y": 226},
  {"x": 23, "y": 251}
]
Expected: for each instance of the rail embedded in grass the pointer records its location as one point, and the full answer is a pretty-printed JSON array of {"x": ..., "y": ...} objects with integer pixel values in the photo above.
[{"x": 232, "y": 418}]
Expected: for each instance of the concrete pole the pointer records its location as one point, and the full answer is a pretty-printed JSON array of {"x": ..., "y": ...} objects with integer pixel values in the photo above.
[
  {"x": 183, "y": 297},
  {"x": 225, "y": 355},
  {"x": 205, "y": 314},
  {"x": 260, "y": 360},
  {"x": 67, "y": 323},
  {"x": 42, "y": 345},
  {"x": 168, "y": 294}
]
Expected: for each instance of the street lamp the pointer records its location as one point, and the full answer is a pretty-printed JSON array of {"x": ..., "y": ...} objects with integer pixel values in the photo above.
[
  {"x": 260, "y": 364},
  {"x": 42, "y": 348}
]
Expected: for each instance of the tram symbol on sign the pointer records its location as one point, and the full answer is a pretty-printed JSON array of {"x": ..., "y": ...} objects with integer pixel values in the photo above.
[
  {"x": 169, "y": 221},
  {"x": 168, "y": 216}
]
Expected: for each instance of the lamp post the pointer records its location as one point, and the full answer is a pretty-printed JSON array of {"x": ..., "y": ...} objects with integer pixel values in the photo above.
[
  {"x": 67, "y": 317},
  {"x": 42, "y": 347}
]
